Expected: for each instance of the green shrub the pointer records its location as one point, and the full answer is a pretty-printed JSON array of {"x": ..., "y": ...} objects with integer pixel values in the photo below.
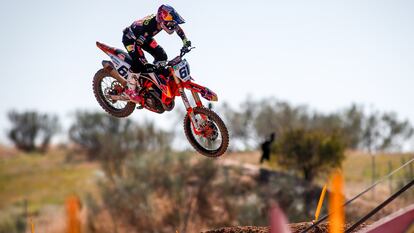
[
  {"x": 12, "y": 224},
  {"x": 32, "y": 130},
  {"x": 309, "y": 152}
]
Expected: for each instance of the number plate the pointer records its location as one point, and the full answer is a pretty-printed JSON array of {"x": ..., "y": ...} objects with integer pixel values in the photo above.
[{"x": 182, "y": 70}]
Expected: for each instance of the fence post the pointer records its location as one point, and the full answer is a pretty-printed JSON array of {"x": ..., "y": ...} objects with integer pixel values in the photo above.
[
  {"x": 390, "y": 180},
  {"x": 404, "y": 172},
  {"x": 373, "y": 173},
  {"x": 26, "y": 213}
]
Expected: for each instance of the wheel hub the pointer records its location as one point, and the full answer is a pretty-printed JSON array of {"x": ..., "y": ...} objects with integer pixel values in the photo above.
[{"x": 210, "y": 131}]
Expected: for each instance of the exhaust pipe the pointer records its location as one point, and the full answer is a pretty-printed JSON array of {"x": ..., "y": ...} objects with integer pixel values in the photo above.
[{"x": 109, "y": 67}]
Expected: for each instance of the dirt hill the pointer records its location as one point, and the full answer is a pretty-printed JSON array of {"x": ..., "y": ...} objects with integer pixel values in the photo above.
[{"x": 295, "y": 228}]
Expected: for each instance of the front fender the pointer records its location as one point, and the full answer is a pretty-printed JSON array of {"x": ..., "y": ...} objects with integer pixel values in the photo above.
[{"x": 204, "y": 91}]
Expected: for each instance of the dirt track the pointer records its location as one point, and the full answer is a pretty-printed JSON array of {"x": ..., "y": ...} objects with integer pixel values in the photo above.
[{"x": 296, "y": 228}]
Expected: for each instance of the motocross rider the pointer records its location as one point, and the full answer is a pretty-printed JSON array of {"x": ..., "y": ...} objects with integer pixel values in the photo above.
[{"x": 139, "y": 36}]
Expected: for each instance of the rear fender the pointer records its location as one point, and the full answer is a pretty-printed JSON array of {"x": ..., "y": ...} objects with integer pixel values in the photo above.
[
  {"x": 106, "y": 49},
  {"x": 119, "y": 59},
  {"x": 204, "y": 91}
]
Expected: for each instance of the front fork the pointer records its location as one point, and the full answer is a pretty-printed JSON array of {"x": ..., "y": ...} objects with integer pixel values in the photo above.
[{"x": 187, "y": 105}]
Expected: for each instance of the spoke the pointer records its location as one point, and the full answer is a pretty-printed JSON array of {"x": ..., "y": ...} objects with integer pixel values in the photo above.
[
  {"x": 210, "y": 143},
  {"x": 207, "y": 142},
  {"x": 107, "y": 84}
]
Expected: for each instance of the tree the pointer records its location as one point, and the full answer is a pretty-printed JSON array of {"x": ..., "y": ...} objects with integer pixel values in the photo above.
[
  {"x": 384, "y": 132},
  {"x": 395, "y": 131},
  {"x": 276, "y": 116},
  {"x": 309, "y": 152},
  {"x": 326, "y": 122},
  {"x": 371, "y": 133},
  {"x": 101, "y": 135},
  {"x": 32, "y": 130},
  {"x": 240, "y": 123},
  {"x": 86, "y": 130},
  {"x": 353, "y": 118},
  {"x": 256, "y": 120}
]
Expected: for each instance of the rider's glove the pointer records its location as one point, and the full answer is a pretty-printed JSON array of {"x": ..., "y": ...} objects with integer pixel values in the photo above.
[
  {"x": 160, "y": 64},
  {"x": 186, "y": 43}
]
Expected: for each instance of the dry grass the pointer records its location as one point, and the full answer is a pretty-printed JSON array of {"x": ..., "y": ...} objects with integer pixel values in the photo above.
[
  {"x": 358, "y": 167},
  {"x": 41, "y": 179},
  {"x": 46, "y": 180}
]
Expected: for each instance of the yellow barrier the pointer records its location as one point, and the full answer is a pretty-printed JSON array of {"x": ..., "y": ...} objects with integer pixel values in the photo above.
[
  {"x": 321, "y": 198},
  {"x": 32, "y": 225}
]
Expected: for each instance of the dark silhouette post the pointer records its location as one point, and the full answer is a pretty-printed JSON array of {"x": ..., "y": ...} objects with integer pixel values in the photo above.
[{"x": 266, "y": 147}]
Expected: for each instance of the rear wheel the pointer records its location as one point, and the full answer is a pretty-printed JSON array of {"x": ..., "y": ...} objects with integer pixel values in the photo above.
[
  {"x": 105, "y": 85},
  {"x": 213, "y": 138}
]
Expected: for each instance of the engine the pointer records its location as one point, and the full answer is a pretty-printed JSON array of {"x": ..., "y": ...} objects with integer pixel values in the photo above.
[
  {"x": 152, "y": 101},
  {"x": 153, "y": 95}
]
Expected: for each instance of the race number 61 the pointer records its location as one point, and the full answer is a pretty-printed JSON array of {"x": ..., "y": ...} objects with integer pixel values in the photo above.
[{"x": 184, "y": 71}]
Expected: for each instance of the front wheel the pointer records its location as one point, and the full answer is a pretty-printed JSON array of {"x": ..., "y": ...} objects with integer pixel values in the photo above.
[{"x": 213, "y": 138}]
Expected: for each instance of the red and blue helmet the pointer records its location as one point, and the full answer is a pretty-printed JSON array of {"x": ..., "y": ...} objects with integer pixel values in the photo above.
[{"x": 168, "y": 18}]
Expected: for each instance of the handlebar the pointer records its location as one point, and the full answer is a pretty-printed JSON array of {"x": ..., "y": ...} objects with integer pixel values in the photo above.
[{"x": 185, "y": 50}]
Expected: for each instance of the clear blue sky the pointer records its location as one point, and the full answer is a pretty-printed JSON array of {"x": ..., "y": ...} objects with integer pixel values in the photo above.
[{"x": 326, "y": 54}]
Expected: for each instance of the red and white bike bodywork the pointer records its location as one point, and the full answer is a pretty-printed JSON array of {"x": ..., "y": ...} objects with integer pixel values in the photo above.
[{"x": 204, "y": 128}]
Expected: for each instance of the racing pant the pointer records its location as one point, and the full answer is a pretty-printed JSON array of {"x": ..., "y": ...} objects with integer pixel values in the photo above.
[{"x": 135, "y": 48}]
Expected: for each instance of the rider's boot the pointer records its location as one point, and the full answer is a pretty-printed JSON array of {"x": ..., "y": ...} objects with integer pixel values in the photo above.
[{"x": 131, "y": 90}]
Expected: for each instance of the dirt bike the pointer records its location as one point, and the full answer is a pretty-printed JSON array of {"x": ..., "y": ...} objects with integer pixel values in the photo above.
[{"x": 203, "y": 128}]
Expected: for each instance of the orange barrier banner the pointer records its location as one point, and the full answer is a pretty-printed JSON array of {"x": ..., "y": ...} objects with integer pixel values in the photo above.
[
  {"x": 72, "y": 214},
  {"x": 336, "y": 201}
]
